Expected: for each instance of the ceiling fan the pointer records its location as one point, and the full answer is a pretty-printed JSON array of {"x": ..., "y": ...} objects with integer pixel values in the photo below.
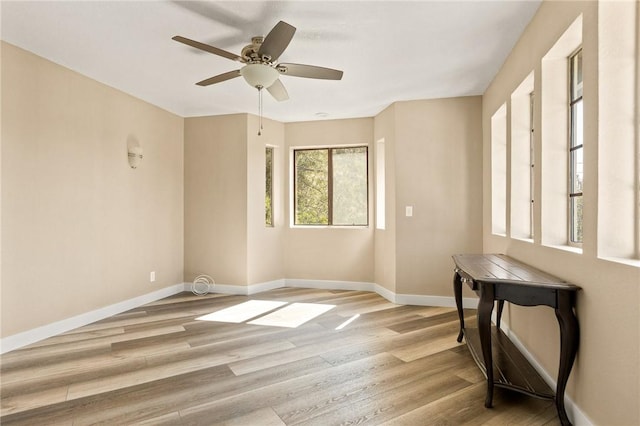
[{"x": 262, "y": 69}]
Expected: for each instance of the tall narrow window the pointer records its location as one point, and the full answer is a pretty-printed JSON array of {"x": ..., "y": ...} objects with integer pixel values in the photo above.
[
  {"x": 380, "y": 185},
  {"x": 521, "y": 224},
  {"x": 576, "y": 149},
  {"x": 531, "y": 164},
  {"x": 331, "y": 186},
  {"x": 268, "y": 195},
  {"x": 499, "y": 171},
  {"x": 553, "y": 136}
]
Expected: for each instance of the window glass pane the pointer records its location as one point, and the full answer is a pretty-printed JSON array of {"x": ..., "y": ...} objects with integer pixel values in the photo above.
[
  {"x": 268, "y": 196},
  {"x": 576, "y": 215},
  {"x": 311, "y": 187},
  {"x": 577, "y": 135},
  {"x": 576, "y": 76},
  {"x": 577, "y": 170},
  {"x": 349, "y": 186}
]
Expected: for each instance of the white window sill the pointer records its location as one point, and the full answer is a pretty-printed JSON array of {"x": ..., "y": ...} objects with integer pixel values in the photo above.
[
  {"x": 524, "y": 240},
  {"x": 329, "y": 226},
  {"x": 570, "y": 249},
  {"x": 625, "y": 261}
]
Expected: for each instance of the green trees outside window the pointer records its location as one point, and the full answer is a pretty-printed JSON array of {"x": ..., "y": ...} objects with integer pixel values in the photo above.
[
  {"x": 331, "y": 186},
  {"x": 268, "y": 196}
]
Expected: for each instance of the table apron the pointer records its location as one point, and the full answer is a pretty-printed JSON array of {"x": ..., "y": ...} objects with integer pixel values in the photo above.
[{"x": 525, "y": 296}]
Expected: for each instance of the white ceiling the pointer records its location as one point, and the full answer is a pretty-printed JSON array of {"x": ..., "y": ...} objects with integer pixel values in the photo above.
[{"x": 388, "y": 50}]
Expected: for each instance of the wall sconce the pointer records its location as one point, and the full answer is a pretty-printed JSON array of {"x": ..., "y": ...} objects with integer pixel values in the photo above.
[{"x": 135, "y": 156}]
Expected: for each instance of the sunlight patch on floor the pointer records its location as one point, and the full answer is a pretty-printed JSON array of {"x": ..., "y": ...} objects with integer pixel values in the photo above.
[
  {"x": 347, "y": 322},
  {"x": 242, "y": 312},
  {"x": 293, "y": 315}
]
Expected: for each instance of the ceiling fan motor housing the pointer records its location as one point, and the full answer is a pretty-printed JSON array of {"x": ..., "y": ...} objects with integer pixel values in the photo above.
[{"x": 250, "y": 52}]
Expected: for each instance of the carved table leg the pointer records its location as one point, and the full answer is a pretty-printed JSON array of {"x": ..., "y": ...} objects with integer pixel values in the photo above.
[
  {"x": 485, "y": 306},
  {"x": 457, "y": 291},
  {"x": 499, "y": 313},
  {"x": 569, "y": 339}
]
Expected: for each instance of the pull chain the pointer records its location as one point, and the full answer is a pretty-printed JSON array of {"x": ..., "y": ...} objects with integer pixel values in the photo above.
[{"x": 260, "y": 109}]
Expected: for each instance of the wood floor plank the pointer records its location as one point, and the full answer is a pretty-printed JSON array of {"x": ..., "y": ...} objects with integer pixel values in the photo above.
[
  {"x": 158, "y": 365},
  {"x": 276, "y": 393},
  {"x": 263, "y": 417},
  {"x": 307, "y": 350},
  {"x": 170, "y": 369},
  {"x": 376, "y": 382}
]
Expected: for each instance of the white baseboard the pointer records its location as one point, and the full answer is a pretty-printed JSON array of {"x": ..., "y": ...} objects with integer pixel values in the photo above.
[
  {"x": 385, "y": 292},
  {"x": 330, "y": 285},
  {"x": 401, "y": 299},
  {"x": 25, "y": 338},
  {"x": 241, "y": 290},
  {"x": 575, "y": 414},
  {"x": 448, "y": 302}
]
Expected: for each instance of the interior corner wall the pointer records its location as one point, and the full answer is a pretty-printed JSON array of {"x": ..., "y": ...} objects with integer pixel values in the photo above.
[
  {"x": 385, "y": 239},
  {"x": 438, "y": 172},
  {"x": 321, "y": 253},
  {"x": 265, "y": 244},
  {"x": 215, "y": 198},
  {"x": 81, "y": 229},
  {"x": 605, "y": 380}
]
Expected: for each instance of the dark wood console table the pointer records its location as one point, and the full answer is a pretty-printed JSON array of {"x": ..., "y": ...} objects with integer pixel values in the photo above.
[{"x": 496, "y": 277}]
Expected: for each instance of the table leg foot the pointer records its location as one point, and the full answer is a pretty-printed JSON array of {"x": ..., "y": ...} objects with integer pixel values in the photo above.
[{"x": 457, "y": 291}]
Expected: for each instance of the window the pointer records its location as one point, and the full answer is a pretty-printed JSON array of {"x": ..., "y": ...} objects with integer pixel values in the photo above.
[
  {"x": 553, "y": 136},
  {"x": 268, "y": 195},
  {"x": 522, "y": 155},
  {"x": 576, "y": 149},
  {"x": 331, "y": 186},
  {"x": 380, "y": 185},
  {"x": 499, "y": 171},
  {"x": 531, "y": 164}
]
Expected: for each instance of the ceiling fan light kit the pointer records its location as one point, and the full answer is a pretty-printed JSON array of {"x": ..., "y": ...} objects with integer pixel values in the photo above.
[
  {"x": 259, "y": 75},
  {"x": 262, "y": 69}
]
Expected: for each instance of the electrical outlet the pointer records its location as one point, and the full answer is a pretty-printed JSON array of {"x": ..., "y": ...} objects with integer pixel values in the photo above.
[
  {"x": 152, "y": 276},
  {"x": 408, "y": 211}
]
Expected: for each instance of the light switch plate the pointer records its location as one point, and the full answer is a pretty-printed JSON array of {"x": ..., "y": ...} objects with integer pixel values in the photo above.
[{"x": 408, "y": 211}]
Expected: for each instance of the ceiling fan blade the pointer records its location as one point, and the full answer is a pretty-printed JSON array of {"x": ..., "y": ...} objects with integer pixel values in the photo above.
[
  {"x": 278, "y": 91},
  {"x": 309, "y": 71},
  {"x": 208, "y": 48},
  {"x": 219, "y": 78},
  {"x": 277, "y": 40}
]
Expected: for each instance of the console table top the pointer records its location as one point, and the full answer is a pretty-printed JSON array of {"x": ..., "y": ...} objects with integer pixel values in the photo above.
[{"x": 499, "y": 268}]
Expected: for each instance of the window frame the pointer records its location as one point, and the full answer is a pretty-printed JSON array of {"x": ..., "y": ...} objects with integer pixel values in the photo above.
[
  {"x": 330, "y": 177},
  {"x": 575, "y": 235}
]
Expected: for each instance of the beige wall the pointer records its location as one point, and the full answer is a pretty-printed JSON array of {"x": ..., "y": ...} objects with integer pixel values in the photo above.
[
  {"x": 265, "y": 245},
  {"x": 438, "y": 172},
  {"x": 343, "y": 254},
  {"x": 80, "y": 228},
  {"x": 225, "y": 234},
  {"x": 605, "y": 382},
  {"x": 215, "y": 198}
]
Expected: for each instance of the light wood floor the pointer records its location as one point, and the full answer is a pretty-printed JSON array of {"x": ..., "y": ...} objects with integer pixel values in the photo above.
[{"x": 395, "y": 365}]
